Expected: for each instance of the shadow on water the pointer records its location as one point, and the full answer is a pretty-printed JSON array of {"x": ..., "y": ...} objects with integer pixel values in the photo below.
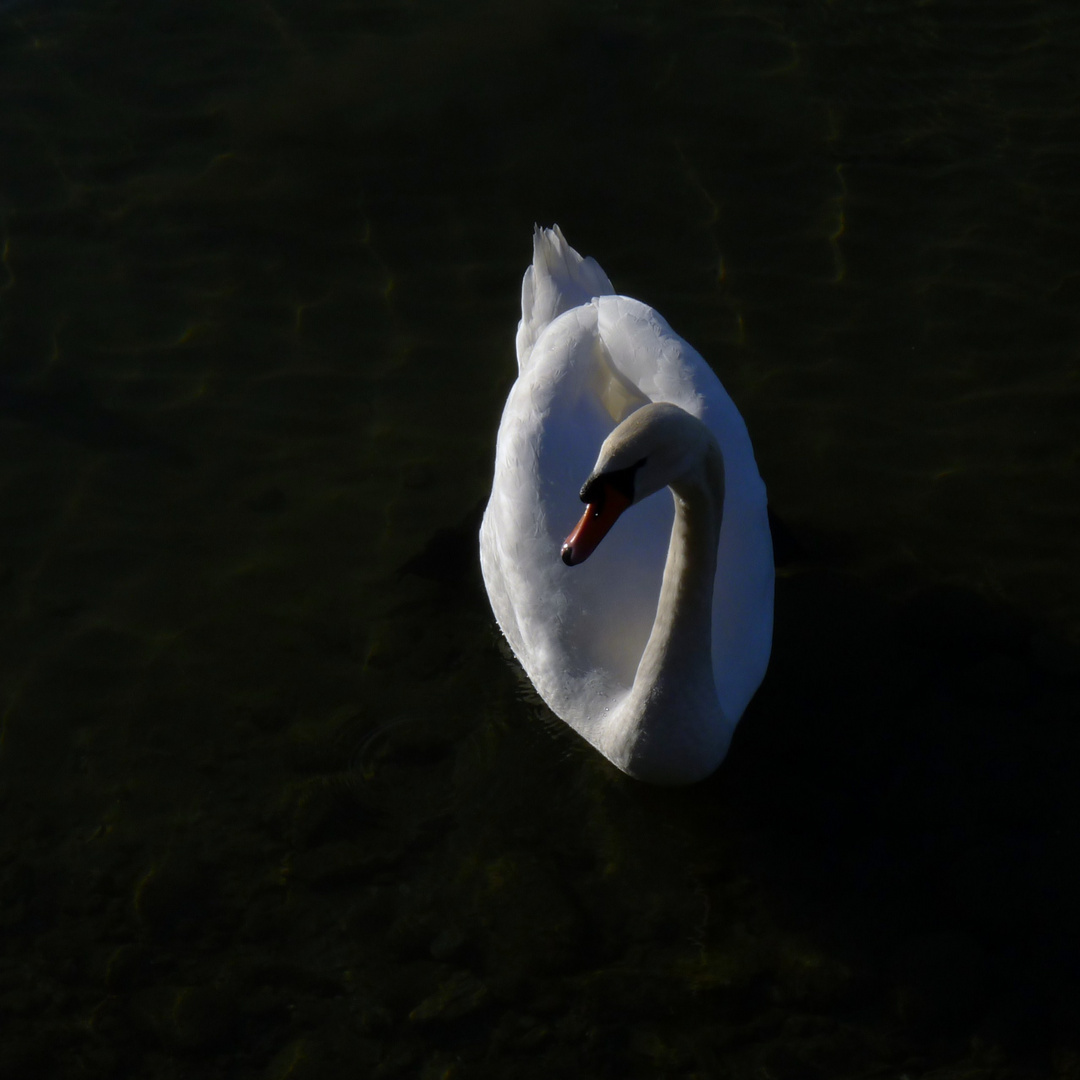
[
  {"x": 884, "y": 871},
  {"x": 905, "y": 789}
]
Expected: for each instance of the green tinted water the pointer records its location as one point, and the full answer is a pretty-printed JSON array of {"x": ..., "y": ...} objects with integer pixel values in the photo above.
[{"x": 275, "y": 801}]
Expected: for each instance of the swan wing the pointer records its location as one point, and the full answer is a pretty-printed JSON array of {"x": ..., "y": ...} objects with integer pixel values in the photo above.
[{"x": 562, "y": 624}]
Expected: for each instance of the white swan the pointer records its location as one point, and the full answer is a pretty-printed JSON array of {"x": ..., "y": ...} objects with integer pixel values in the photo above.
[{"x": 653, "y": 648}]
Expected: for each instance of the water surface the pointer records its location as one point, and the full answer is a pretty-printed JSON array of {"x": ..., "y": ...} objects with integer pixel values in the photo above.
[{"x": 276, "y": 802}]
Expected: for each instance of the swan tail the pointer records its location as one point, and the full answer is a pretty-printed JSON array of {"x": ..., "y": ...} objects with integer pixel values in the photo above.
[{"x": 558, "y": 280}]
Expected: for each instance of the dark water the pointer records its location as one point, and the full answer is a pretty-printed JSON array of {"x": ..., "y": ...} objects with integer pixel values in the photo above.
[{"x": 274, "y": 802}]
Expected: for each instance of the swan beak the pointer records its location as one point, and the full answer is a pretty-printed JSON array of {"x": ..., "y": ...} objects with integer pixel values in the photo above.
[{"x": 594, "y": 525}]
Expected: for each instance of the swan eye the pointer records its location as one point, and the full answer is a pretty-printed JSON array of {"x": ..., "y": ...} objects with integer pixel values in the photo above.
[{"x": 620, "y": 480}]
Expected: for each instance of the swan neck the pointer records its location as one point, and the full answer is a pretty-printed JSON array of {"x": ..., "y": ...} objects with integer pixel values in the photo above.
[
  {"x": 673, "y": 730},
  {"x": 682, "y": 631}
]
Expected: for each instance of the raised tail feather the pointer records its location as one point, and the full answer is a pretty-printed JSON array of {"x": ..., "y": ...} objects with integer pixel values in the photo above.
[{"x": 558, "y": 280}]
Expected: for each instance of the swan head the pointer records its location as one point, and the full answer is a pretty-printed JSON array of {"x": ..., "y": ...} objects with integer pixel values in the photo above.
[{"x": 660, "y": 445}]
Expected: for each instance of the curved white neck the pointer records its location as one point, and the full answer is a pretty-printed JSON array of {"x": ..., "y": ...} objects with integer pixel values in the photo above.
[{"x": 670, "y": 728}]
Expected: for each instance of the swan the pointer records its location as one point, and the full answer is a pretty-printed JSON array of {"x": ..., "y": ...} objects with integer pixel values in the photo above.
[{"x": 652, "y": 648}]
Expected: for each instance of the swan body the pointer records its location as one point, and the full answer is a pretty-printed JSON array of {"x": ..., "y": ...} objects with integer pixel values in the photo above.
[{"x": 652, "y": 648}]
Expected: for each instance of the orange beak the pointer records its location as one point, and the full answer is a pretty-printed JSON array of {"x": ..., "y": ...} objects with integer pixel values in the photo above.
[{"x": 594, "y": 525}]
